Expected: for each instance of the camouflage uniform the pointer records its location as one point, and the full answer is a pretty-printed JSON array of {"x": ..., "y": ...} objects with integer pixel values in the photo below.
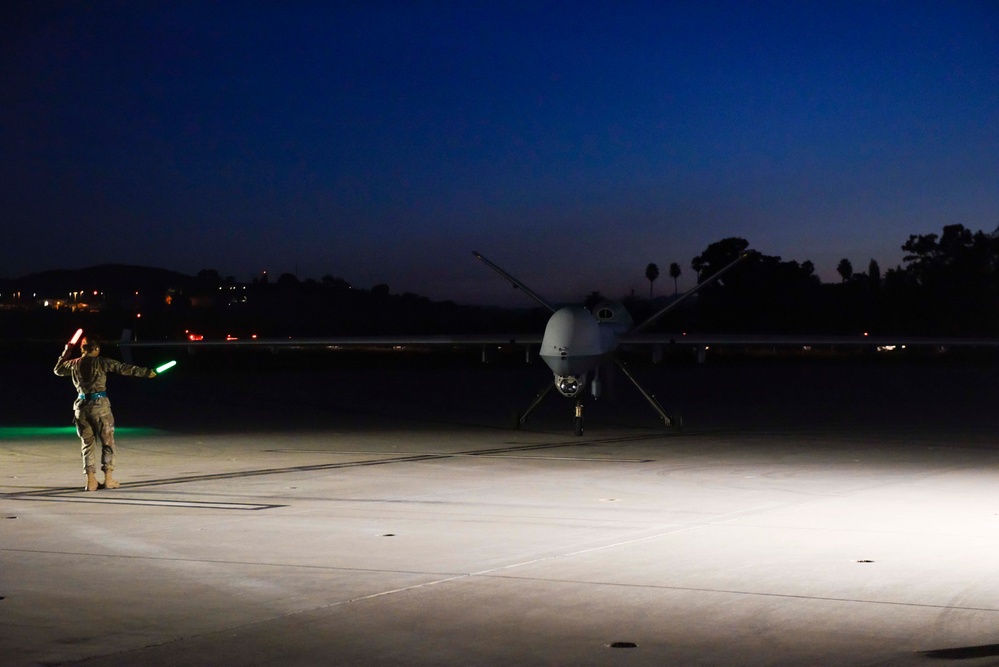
[{"x": 92, "y": 409}]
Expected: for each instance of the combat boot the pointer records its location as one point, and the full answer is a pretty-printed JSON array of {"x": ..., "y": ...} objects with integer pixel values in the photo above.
[
  {"x": 91, "y": 481},
  {"x": 109, "y": 483}
]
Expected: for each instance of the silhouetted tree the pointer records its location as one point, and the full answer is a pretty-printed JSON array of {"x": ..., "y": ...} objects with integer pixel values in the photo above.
[
  {"x": 956, "y": 276},
  {"x": 957, "y": 253},
  {"x": 760, "y": 294},
  {"x": 335, "y": 284},
  {"x": 717, "y": 256},
  {"x": 651, "y": 273},
  {"x": 674, "y": 273},
  {"x": 209, "y": 277},
  {"x": 845, "y": 269},
  {"x": 874, "y": 275}
]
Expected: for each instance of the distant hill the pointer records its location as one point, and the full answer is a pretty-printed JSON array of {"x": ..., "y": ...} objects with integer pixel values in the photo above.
[{"x": 114, "y": 279}]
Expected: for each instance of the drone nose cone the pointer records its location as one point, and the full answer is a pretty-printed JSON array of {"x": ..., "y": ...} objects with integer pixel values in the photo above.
[{"x": 572, "y": 341}]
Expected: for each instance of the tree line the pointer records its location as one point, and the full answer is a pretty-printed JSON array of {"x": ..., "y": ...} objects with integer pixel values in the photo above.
[{"x": 948, "y": 285}]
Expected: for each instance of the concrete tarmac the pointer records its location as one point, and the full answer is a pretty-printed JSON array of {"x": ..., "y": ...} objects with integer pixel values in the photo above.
[{"x": 808, "y": 514}]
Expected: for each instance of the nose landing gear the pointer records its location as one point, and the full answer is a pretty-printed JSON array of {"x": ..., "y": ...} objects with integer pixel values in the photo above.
[{"x": 673, "y": 420}]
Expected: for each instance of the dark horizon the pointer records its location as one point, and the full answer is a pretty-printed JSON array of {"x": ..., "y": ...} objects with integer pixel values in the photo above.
[{"x": 947, "y": 288}]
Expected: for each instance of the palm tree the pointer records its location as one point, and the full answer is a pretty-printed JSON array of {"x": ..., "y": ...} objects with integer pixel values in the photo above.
[
  {"x": 674, "y": 273},
  {"x": 651, "y": 272}
]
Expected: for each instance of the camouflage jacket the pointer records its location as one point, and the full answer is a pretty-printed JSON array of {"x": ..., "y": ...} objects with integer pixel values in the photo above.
[{"x": 89, "y": 374}]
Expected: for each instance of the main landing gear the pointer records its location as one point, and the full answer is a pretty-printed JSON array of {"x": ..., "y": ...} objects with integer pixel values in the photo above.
[{"x": 671, "y": 421}]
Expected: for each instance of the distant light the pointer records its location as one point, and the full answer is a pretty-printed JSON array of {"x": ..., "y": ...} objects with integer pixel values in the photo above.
[{"x": 231, "y": 337}]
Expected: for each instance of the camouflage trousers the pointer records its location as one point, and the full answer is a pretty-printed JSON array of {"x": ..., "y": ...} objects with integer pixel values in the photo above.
[{"x": 94, "y": 421}]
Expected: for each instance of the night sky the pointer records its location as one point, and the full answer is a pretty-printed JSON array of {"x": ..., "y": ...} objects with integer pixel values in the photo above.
[{"x": 571, "y": 143}]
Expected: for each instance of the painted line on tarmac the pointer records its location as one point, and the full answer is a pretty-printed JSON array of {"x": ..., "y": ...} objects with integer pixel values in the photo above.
[
  {"x": 498, "y": 452},
  {"x": 469, "y": 455},
  {"x": 193, "y": 504}
]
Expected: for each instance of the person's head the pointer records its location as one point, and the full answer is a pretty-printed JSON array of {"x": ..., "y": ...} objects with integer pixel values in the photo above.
[{"x": 91, "y": 346}]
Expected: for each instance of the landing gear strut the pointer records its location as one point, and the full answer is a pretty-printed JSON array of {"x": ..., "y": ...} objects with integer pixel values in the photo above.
[
  {"x": 520, "y": 420},
  {"x": 671, "y": 421}
]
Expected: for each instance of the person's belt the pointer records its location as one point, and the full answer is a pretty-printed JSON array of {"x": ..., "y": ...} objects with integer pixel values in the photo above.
[{"x": 96, "y": 394}]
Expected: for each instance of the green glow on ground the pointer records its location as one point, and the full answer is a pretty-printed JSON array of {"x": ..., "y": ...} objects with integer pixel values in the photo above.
[{"x": 31, "y": 432}]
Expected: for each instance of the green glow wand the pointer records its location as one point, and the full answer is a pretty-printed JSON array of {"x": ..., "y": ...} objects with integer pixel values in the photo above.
[{"x": 165, "y": 367}]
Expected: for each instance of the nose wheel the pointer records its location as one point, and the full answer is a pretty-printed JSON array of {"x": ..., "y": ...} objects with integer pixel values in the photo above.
[{"x": 578, "y": 420}]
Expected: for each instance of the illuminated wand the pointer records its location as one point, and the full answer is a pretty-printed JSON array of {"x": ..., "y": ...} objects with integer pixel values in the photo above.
[{"x": 71, "y": 344}]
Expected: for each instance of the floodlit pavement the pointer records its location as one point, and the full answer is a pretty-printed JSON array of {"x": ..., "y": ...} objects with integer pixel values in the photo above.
[{"x": 790, "y": 524}]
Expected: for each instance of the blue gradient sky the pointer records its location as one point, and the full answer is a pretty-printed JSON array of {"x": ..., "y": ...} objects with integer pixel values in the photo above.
[{"x": 571, "y": 143}]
